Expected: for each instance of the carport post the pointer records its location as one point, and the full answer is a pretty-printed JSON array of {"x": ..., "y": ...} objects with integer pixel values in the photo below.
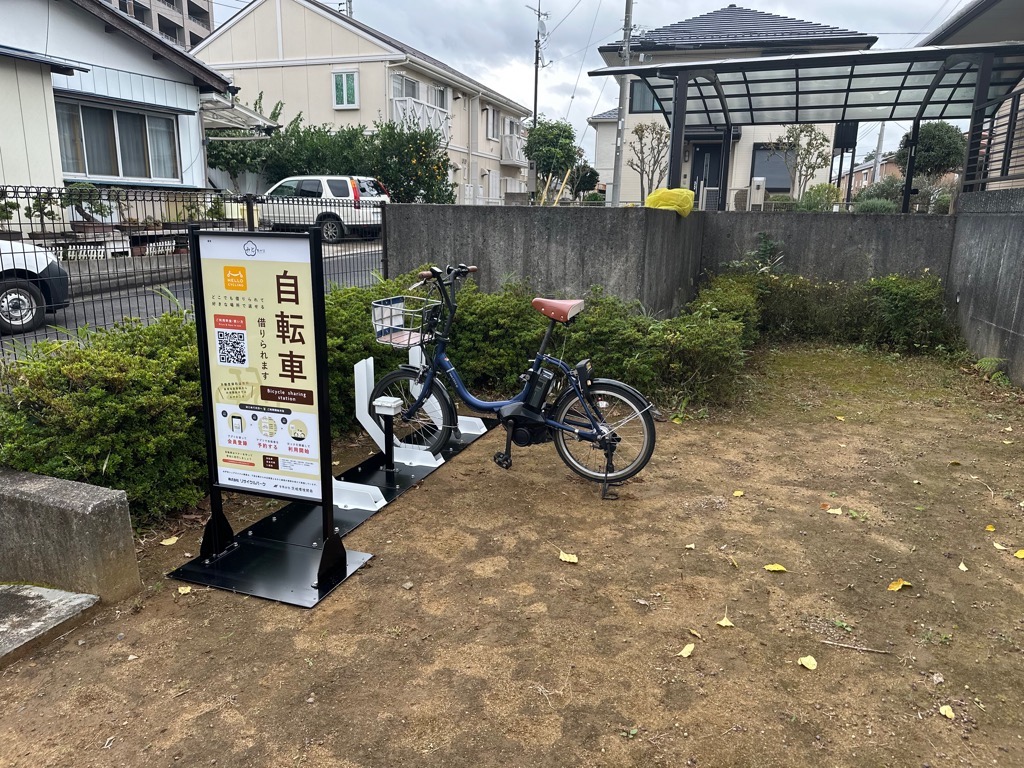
[
  {"x": 908, "y": 185},
  {"x": 675, "y": 146},
  {"x": 972, "y": 163},
  {"x": 723, "y": 173}
]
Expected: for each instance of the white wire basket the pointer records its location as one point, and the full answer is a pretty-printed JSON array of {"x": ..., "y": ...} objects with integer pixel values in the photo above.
[{"x": 405, "y": 321}]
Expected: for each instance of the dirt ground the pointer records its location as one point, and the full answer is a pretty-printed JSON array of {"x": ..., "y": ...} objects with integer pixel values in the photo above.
[{"x": 503, "y": 655}]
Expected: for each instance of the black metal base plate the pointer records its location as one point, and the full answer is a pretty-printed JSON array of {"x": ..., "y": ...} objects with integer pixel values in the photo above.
[{"x": 277, "y": 558}]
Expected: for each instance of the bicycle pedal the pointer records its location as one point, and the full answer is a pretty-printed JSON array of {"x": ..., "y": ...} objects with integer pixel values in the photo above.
[{"x": 503, "y": 460}]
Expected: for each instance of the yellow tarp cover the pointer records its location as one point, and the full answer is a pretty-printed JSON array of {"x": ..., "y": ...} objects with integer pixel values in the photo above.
[{"x": 678, "y": 200}]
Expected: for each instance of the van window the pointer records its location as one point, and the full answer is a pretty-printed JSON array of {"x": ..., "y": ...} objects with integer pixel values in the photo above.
[
  {"x": 284, "y": 189},
  {"x": 310, "y": 188},
  {"x": 339, "y": 187},
  {"x": 370, "y": 188}
]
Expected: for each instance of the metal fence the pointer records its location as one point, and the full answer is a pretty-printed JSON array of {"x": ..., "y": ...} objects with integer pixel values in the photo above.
[
  {"x": 996, "y": 155},
  {"x": 81, "y": 256}
]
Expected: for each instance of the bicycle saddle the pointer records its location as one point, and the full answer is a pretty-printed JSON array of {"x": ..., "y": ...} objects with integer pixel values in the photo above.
[{"x": 561, "y": 311}]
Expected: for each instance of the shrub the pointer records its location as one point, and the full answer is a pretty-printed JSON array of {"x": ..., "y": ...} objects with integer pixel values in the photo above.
[
  {"x": 905, "y": 314},
  {"x": 820, "y": 198},
  {"x": 795, "y": 308},
  {"x": 699, "y": 356},
  {"x": 734, "y": 297},
  {"x": 889, "y": 188},
  {"x": 120, "y": 409},
  {"x": 875, "y": 205}
]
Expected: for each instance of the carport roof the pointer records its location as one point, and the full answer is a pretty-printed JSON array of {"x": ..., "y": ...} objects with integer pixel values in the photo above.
[{"x": 933, "y": 83}]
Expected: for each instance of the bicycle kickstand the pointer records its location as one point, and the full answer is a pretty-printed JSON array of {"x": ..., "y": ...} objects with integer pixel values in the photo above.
[
  {"x": 504, "y": 458},
  {"x": 606, "y": 493}
]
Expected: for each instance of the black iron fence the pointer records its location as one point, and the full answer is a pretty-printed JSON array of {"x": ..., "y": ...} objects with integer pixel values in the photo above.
[{"x": 84, "y": 257}]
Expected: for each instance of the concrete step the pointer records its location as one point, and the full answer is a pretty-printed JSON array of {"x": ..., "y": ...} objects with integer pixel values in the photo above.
[{"x": 32, "y": 616}]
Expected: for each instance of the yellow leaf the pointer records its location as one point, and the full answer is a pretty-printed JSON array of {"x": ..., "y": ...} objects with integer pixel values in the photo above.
[
  {"x": 170, "y": 541},
  {"x": 685, "y": 653},
  {"x": 725, "y": 622},
  {"x": 1007, "y": 442},
  {"x": 696, "y": 634},
  {"x": 841, "y": 418},
  {"x": 737, "y": 493},
  {"x": 566, "y": 557},
  {"x": 691, "y": 546},
  {"x": 184, "y": 590},
  {"x": 947, "y": 710},
  {"x": 990, "y": 528},
  {"x": 998, "y": 546},
  {"x": 775, "y": 568},
  {"x": 962, "y": 567},
  {"x": 1019, "y": 554},
  {"x": 808, "y": 662},
  {"x": 899, "y": 584},
  {"x": 733, "y": 561},
  {"x": 836, "y": 511},
  {"x": 1007, "y": 429}
]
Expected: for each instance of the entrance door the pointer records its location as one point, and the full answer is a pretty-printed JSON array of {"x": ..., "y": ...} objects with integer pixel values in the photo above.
[{"x": 706, "y": 169}]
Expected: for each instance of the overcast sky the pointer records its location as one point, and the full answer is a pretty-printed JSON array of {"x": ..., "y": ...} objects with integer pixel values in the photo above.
[{"x": 492, "y": 41}]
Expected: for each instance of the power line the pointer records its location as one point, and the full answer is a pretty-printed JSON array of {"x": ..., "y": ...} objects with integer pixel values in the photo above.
[
  {"x": 565, "y": 17},
  {"x": 583, "y": 60}
]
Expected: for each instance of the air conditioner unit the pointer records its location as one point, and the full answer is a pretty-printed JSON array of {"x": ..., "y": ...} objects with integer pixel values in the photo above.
[
  {"x": 755, "y": 200},
  {"x": 709, "y": 198}
]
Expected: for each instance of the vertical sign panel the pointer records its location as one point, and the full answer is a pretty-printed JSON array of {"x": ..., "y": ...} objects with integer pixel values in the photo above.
[{"x": 257, "y": 294}]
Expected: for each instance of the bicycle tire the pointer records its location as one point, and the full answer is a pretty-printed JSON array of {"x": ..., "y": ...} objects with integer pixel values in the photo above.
[
  {"x": 431, "y": 427},
  {"x": 628, "y": 416}
]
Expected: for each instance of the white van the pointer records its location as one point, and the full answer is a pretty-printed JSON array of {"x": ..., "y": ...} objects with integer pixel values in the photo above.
[{"x": 339, "y": 205}]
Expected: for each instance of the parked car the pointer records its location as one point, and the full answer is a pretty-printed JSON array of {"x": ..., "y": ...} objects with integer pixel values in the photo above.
[
  {"x": 339, "y": 205},
  {"x": 32, "y": 283}
]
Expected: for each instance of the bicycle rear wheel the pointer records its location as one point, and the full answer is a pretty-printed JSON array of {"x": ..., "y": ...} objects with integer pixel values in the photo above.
[
  {"x": 629, "y": 427},
  {"x": 431, "y": 426}
]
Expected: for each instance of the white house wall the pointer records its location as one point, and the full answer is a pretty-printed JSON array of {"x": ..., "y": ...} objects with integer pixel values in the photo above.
[{"x": 29, "y": 152}]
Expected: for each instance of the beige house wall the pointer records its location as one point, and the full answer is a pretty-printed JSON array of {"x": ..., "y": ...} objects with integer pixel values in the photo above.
[{"x": 29, "y": 149}]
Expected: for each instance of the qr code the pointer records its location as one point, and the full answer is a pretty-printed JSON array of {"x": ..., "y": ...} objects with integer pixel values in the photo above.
[{"x": 231, "y": 348}]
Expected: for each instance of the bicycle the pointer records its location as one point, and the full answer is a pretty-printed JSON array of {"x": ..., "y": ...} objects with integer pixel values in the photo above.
[{"x": 602, "y": 429}]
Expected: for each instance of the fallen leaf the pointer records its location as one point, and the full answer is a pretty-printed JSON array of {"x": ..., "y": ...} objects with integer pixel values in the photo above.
[
  {"x": 917, "y": 482},
  {"x": 953, "y": 464},
  {"x": 685, "y": 653},
  {"x": 696, "y": 634},
  {"x": 737, "y": 493},
  {"x": 725, "y": 622},
  {"x": 841, "y": 418},
  {"x": 132, "y": 657},
  {"x": 733, "y": 561},
  {"x": 808, "y": 662},
  {"x": 168, "y": 542},
  {"x": 836, "y": 511},
  {"x": 566, "y": 557},
  {"x": 899, "y": 584},
  {"x": 184, "y": 590},
  {"x": 947, "y": 710},
  {"x": 990, "y": 528},
  {"x": 998, "y": 546},
  {"x": 775, "y": 568},
  {"x": 826, "y": 505},
  {"x": 691, "y": 546},
  {"x": 962, "y": 567},
  {"x": 1007, "y": 429},
  {"x": 1019, "y": 554},
  {"x": 919, "y": 509},
  {"x": 1007, "y": 442}
]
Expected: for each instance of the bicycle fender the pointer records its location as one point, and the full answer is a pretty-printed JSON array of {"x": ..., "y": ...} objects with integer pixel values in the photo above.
[{"x": 631, "y": 390}]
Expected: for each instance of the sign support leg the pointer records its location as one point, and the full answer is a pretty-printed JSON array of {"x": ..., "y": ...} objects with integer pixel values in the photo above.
[{"x": 218, "y": 533}]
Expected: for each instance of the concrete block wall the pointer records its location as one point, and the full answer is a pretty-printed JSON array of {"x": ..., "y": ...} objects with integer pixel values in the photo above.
[{"x": 66, "y": 535}]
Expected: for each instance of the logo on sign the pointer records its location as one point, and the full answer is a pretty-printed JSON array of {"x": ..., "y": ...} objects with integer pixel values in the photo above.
[{"x": 234, "y": 278}]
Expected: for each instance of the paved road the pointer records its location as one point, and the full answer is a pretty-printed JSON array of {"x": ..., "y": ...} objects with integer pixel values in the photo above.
[{"x": 345, "y": 264}]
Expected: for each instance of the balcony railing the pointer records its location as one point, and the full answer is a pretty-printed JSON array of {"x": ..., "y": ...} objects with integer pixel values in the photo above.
[
  {"x": 421, "y": 115},
  {"x": 513, "y": 150},
  {"x": 171, "y": 38},
  {"x": 169, "y": 4},
  {"x": 205, "y": 23}
]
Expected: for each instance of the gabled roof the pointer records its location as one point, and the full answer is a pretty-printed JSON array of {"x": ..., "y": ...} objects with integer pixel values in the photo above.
[
  {"x": 205, "y": 78},
  {"x": 733, "y": 27},
  {"x": 417, "y": 55},
  {"x": 611, "y": 114}
]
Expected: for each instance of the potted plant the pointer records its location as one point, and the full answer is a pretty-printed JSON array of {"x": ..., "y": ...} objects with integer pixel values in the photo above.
[
  {"x": 88, "y": 203},
  {"x": 7, "y": 209},
  {"x": 43, "y": 207}
]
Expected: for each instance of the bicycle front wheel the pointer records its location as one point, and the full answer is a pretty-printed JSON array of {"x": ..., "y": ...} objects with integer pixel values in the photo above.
[
  {"x": 431, "y": 426},
  {"x": 628, "y": 425}
]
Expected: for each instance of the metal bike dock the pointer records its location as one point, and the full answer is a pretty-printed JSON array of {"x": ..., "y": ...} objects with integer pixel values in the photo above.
[{"x": 278, "y": 557}]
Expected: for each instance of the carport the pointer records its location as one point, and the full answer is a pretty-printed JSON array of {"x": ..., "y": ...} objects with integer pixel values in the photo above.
[{"x": 963, "y": 82}]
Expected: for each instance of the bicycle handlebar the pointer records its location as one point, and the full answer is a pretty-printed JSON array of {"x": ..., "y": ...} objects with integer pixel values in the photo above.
[{"x": 458, "y": 271}]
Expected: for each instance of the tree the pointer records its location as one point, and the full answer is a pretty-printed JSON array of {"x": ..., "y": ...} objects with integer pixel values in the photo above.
[
  {"x": 582, "y": 179},
  {"x": 650, "y": 155},
  {"x": 551, "y": 144},
  {"x": 413, "y": 163},
  {"x": 868, "y": 157},
  {"x": 805, "y": 150},
  {"x": 248, "y": 152},
  {"x": 941, "y": 147}
]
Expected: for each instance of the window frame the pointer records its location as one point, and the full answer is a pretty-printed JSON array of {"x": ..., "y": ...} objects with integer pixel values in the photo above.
[
  {"x": 765, "y": 147},
  {"x": 114, "y": 112},
  {"x": 493, "y": 123},
  {"x": 632, "y": 99},
  {"x": 405, "y": 80},
  {"x": 354, "y": 73},
  {"x": 439, "y": 93}
]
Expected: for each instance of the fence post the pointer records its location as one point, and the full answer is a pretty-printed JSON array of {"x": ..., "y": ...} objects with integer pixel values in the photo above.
[
  {"x": 250, "y": 212},
  {"x": 384, "y": 240}
]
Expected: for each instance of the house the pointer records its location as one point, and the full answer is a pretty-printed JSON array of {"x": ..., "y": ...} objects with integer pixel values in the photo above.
[
  {"x": 182, "y": 22},
  {"x": 94, "y": 96},
  {"x": 734, "y": 33},
  {"x": 337, "y": 71},
  {"x": 864, "y": 174}
]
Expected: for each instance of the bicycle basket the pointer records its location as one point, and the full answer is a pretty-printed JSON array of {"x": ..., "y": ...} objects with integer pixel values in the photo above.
[{"x": 405, "y": 321}]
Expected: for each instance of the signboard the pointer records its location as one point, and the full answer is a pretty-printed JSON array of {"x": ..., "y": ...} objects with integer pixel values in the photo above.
[{"x": 261, "y": 300}]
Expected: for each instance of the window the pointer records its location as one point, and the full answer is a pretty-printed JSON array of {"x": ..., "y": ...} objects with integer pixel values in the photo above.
[
  {"x": 339, "y": 187},
  {"x": 439, "y": 96},
  {"x": 284, "y": 189},
  {"x": 772, "y": 168},
  {"x": 493, "y": 123},
  {"x": 310, "y": 188},
  {"x": 641, "y": 98},
  {"x": 120, "y": 143},
  {"x": 512, "y": 127},
  {"x": 405, "y": 87},
  {"x": 346, "y": 90}
]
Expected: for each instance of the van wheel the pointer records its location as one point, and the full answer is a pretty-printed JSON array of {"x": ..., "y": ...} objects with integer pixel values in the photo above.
[
  {"x": 22, "y": 306},
  {"x": 332, "y": 228}
]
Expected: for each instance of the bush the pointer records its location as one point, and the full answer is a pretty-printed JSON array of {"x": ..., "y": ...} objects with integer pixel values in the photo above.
[
  {"x": 699, "y": 357},
  {"x": 734, "y": 297},
  {"x": 875, "y": 205},
  {"x": 120, "y": 409},
  {"x": 820, "y": 198},
  {"x": 890, "y": 188},
  {"x": 904, "y": 314}
]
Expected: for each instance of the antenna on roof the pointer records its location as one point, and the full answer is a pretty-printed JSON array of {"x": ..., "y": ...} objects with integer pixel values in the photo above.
[{"x": 345, "y": 6}]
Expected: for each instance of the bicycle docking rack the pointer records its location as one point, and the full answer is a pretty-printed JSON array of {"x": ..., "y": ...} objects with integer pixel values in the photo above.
[{"x": 278, "y": 557}]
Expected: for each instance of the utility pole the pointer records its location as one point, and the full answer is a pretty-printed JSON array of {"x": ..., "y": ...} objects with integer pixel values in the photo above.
[
  {"x": 878, "y": 153},
  {"x": 620, "y": 129},
  {"x": 536, "y": 57}
]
